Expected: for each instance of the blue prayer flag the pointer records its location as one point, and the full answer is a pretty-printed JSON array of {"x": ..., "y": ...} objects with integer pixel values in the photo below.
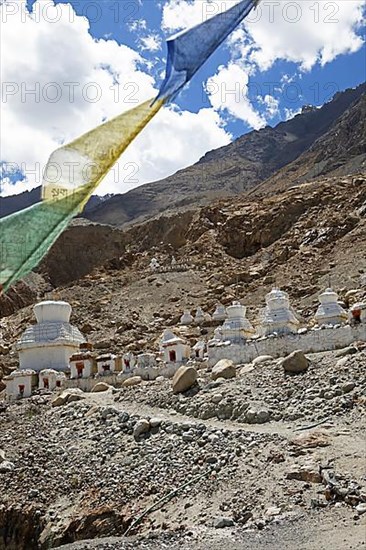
[{"x": 188, "y": 50}]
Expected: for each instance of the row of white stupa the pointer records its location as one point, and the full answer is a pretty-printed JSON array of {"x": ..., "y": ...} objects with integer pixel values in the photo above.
[
  {"x": 278, "y": 316},
  {"x": 52, "y": 346}
]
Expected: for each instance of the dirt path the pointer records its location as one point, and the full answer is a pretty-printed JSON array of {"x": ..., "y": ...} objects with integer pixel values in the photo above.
[
  {"x": 332, "y": 530},
  {"x": 172, "y": 416}
]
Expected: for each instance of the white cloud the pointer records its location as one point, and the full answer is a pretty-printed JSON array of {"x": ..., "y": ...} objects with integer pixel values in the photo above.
[
  {"x": 181, "y": 14},
  {"x": 302, "y": 32},
  {"x": 228, "y": 90},
  {"x": 78, "y": 82},
  {"x": 305, "y": 33},
  {"x": 272, "y": 105},
  {"x": 151, "y": 43}
]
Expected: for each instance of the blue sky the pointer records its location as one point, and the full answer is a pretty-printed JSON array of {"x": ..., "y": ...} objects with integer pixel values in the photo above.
[{"x": 297, "y": 54}]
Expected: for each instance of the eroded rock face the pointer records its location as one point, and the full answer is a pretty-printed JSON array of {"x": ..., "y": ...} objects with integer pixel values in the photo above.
[
  {"x": 20, "y": 529},
  {"x": 17, "y": 297},
  {"x": 184, "y": 378}
]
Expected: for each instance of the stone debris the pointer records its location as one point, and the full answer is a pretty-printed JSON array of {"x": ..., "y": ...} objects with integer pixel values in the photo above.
[
  {"x": 68, "y": 396},
  {"x": 220, "y": 523},
  {"x": 309, "y": 472},
  {"x": 6, "y": 466}
]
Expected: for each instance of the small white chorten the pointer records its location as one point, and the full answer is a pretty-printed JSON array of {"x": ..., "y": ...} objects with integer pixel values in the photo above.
[
  {"x": 82, "y": 365},
  {"x": 200, "y": 316},
  {"x": 358, "y": 313},
  {"x": 199, "y": 350},
  {"x": 186, "y": 318},
  {"x": 330, "y": 312},
  {"x": 50, "y": 379},
  {"x": 154, "y": 264},
  {"x": 106, "y": 364},
  {"x": 278, "y": 317},
  {"x": 20, "y": 383},
  {"x": 219, "y": 313},
  {"x": 146, "y": 361},
  {"x": 236, "y": 328},
  {"x": 50, "y": 343},
  {"x": 174, "y": 349},
  {"x": 128, "y": 362}
]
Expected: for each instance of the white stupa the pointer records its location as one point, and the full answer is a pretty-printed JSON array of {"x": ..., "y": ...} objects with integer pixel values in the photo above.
[
  {"x": 330, "y": 312},
  {"x": 200, "y": 316},
  {"x": 219, "y": 313},
  {"x": 186, "y": 318},
  {"x": 50, "y": 343},
  {"x": 236, "y": 328},
  {"x": 278, "y": 316}
]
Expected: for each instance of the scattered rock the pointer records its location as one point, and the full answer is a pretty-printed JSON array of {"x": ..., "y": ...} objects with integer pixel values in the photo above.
[
  {"x": 68, "y": 396},
  {"x": 4, "y": 350},
  {"x": 273, "y": 511},
  {"x": 100, "y": 386},
  {"x": 6, "y": 466},
  {"x": 141, "y": 427},
  {"x": 224, "y": 369},
  {"x": 220, "y": 523},
  {"x": 350, "y": 350},
  {"x": 256, "y": 415},
  {"x": 133, "y": 381},
  {"x": 312, "y": 440},
  {"x": 308, "y": 472},
  {"x": 59, "y": 400},
  {"x": 102, "y": 344},
  {"x": 262, "y": 359},
  {"x": 184, "y": 378},
  {"x": 296, "y": 362},
  {"x": 361, "y": 508},
  {"x": 348, "y": 387}
]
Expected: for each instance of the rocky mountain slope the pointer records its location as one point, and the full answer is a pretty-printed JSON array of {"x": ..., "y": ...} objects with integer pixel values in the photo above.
[
  {"x": 14, "y": 203},
  {"x": 270, "y": 457},
  {"x": 236, "y": 168},
  {"x": 242, "y": 165},
  {"x": 341, "y": 151}
]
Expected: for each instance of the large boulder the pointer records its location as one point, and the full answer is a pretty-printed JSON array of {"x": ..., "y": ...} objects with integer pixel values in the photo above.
[
  {"x": 100, "y": 386},
  {"x": 296, "y": 362},
  {"x": 133, "y": 381},
  {"x": 223, "y": 369},
  {"x": 184, "y": 378},
  {"x": 68, "y": 396}
]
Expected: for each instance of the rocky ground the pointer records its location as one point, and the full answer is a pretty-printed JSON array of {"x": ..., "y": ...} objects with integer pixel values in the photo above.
[
  {"x": 274, "y": 461},
  {"x": 92, "y": 467}
]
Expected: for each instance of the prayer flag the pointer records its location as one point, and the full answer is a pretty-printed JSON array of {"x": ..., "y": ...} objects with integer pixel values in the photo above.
[{"x": 188, "y": 50}]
